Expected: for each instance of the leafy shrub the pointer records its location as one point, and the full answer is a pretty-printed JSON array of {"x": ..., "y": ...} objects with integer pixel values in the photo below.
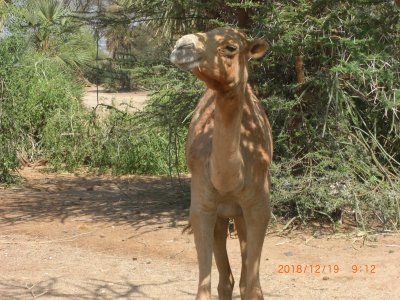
[
  {"x": 117, "y": 142},
  {"x": 147, "y": 142},
  {"x": 50, "y": 88},
  {"x": 34, "y": 88},
  {"x": 339, "y": 125}
]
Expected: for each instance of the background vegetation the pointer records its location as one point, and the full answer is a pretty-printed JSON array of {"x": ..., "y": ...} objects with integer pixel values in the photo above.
[{"x": 330, "y": 85}]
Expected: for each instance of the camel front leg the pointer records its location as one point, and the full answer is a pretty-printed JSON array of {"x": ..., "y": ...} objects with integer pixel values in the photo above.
[
  {"x": 256, "y": 218},
  {"x": 203, "y": 223},
  {"x": 226, "y": 281},
  {"x": 242, "y": 234}
]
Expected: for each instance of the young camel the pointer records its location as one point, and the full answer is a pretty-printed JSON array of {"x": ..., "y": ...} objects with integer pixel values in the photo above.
[{"x": 229, "y": 151}]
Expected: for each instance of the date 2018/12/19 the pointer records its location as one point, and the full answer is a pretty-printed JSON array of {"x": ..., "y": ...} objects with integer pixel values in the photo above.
[{"x": 325, "y": 269}]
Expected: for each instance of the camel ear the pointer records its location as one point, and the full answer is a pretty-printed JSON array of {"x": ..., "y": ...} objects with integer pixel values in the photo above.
[{"x": 257, "y": 48}]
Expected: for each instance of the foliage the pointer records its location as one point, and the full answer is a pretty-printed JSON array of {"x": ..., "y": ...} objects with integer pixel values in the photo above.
[
  {"x": 38, "y": 47},
  {"x": 45, "y": 119},
  {"x": 117, "y": 142},
  {"x": 147, "y": 142},
  {"x": 26, "y": 105},
  {"x": 32, "y": 102},
  {"x": 51, "y": 29},
  {"x": 340, "y": 126}
]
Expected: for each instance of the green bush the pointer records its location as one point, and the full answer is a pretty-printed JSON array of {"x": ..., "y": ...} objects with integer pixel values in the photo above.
[
  {"x": 44, "y": 118},
  {"x": 116, "y": 141},
  {"x": 147, "y": 142},
  {"x": 337, "y": 131},
  {"x": 8, "y": 155},
  {"x": 50, "y": 88},
  {"x": 34, "y": 88}
]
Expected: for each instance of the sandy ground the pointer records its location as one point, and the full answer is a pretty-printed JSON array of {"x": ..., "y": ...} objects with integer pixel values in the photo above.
[
  {"x": 121, "y": 100},
  {"x": 66, "y": 236}
]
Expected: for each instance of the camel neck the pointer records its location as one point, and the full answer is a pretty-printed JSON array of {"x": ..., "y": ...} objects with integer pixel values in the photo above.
[{"x": 226, "y": 160}]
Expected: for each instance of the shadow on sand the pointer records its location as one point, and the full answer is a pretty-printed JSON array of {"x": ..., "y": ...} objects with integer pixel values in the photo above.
[
  {"x": 137, "y": 201},
  {"x": 91, "y": 288}
]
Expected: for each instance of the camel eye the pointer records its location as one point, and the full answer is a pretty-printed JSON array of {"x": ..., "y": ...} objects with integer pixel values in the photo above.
[{"x": 231, "y": 48}]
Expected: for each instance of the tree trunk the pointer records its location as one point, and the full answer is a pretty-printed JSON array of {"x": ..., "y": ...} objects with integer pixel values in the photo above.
[
  {"x": 299, "y": 67},
  {"x": 243, "y": 18},
  {"x": 296, "y": 118}
]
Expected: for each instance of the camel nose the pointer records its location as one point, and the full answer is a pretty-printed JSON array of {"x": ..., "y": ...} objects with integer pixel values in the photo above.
[
  {"x": 186, "y": 54},
  {"x": 183, "y": 52},
  {"x": 188, "y": 46},
  {"x": 186, "y": 42}
]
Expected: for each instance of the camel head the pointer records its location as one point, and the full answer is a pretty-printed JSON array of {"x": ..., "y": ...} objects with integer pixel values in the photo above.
[{"x": 218, "y": 57}]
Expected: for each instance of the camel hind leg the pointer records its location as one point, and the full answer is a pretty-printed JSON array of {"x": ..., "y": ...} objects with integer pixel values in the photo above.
[{"x": 226, "y": 281}]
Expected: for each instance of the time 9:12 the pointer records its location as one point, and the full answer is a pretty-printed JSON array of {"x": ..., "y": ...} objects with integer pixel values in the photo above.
[{"x": 368, "y": 269}]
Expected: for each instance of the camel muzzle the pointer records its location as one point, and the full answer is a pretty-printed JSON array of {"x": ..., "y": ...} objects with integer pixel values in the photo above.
[{"x": 185, "y": 56}]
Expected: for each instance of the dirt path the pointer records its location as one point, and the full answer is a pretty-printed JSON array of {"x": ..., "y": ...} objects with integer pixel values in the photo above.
[
  {"x": 132, "y": 100},
  {"x": 85, "y": 237}
]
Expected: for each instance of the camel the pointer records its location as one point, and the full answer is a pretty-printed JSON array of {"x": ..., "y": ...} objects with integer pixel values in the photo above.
[{"x": 229, "y": 152}]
